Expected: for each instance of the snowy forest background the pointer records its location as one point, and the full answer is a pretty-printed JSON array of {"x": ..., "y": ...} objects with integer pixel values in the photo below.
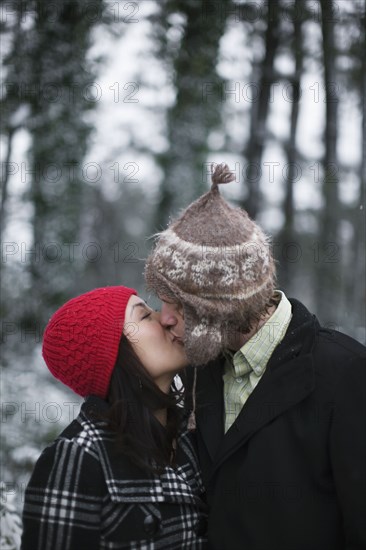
[{"x": 112, "y": 112}]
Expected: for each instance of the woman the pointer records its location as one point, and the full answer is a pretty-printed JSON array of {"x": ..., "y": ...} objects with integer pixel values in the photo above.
[{"x": 124, "y": 473}]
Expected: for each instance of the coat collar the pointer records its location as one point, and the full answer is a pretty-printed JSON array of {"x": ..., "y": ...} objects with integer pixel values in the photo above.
[
  {"x": 288, "y": 379},
  {"x": 125, "y": 481}
]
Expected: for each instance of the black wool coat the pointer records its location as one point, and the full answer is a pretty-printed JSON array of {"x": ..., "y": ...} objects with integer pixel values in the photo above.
[
  {"x": 84, "y": 496},
  {"x": 290, "y": 473}
]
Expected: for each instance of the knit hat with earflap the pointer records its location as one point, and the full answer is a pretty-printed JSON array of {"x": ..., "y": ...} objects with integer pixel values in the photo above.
[
  {"x": 81, "y": 340},
  {"x": 217, "y": 263}
]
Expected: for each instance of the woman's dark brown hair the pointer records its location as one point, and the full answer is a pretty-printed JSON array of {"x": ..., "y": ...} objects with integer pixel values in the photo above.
[{"x": 133, "y": 397}]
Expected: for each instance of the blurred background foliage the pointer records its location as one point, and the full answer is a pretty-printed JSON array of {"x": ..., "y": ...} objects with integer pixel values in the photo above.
[{"x": 111, "y": 114}]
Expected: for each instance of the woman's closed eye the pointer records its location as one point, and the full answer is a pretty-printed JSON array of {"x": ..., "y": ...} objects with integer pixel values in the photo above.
[
  {"x": 146, "y": 315},
  {"x": 149, "y": 313}
]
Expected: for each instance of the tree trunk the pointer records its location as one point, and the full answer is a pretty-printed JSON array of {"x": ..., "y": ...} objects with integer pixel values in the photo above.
[
  {"x": 357, "y": 274},
  {"x": 198, "y": 104},
  {"x": 287, "y": 235},
  {"x": 260, "y": 109},
  {"x": 328, "y": 269},
  {"x": 56, "y": 55},
  {"x": 9, "y": 105},
  {"x": 5, "y": 181}
]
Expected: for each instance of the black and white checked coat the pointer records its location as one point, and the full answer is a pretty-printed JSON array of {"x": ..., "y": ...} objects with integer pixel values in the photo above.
[{"x": 82, "y": 495}]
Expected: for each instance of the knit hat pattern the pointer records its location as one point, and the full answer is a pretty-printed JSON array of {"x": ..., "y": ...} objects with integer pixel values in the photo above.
[
  {"x": 217, "y": 263},
  {"x": 81, "y": 340}
]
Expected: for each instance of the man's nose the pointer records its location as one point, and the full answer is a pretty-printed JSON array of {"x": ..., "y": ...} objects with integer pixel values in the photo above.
[{"x": 168, "y": 317}]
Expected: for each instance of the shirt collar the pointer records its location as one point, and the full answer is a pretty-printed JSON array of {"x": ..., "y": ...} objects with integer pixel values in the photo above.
[{"x": 256, "y": 352}]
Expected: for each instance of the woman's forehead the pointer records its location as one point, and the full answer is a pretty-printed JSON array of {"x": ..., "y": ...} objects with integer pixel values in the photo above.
[{"x": 133, "y": 303}]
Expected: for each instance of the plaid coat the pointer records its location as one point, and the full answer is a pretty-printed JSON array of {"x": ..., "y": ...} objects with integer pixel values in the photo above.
[{"x": 82, "y": 495}]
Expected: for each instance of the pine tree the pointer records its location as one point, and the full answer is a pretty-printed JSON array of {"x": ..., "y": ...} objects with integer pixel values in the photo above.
[
  {"x": 49, "y": 77},
  {"x": 196, "y": 111}
]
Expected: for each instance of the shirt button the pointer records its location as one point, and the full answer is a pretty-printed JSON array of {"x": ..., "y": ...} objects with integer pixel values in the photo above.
[
  {"x": 239, "y": 380},
  {"x": 151, "y": 525}
]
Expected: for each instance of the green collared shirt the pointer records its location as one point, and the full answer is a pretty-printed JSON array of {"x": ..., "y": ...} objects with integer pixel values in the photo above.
[{"x": 245, "y": 368}]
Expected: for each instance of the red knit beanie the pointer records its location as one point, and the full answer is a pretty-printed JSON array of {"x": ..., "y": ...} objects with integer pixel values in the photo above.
[{"x": 81, "y": 340}]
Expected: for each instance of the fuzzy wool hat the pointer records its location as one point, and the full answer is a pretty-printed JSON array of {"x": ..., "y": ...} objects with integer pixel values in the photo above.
[
  {"x": 81, "y": 340},
  {"x": 217, "y": 263}
]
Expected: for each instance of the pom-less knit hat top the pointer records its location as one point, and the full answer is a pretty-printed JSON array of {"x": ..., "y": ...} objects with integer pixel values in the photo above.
[
  {"x": 81, "y": 340},
  {"x": 217, "y": 263}
]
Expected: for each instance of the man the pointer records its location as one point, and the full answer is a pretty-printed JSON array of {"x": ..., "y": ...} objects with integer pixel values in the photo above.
[{"x": 280, "y": 404}]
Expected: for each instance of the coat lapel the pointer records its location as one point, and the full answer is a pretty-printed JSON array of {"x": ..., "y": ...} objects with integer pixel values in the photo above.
[
  {"x": 278, "y": 391},
  {"x": 210, "y": 411}
]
